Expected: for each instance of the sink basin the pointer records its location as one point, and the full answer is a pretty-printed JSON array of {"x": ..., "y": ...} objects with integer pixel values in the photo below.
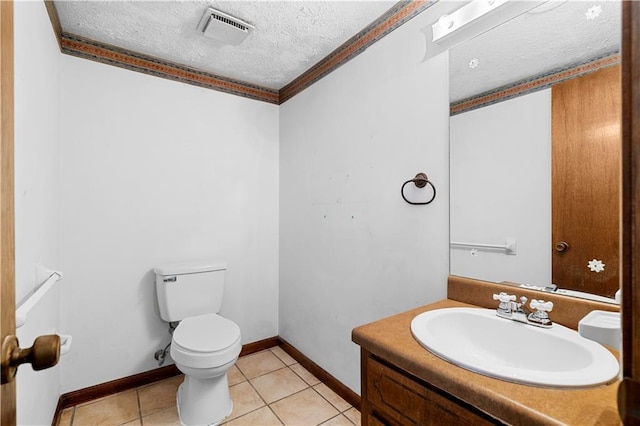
[{"x": 478, "y": 340}]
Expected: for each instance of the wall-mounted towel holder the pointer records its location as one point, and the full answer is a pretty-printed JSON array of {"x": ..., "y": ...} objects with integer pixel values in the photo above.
[
  {"x": 420, "y": 181},
  {"x": 23, "y": 309},
  {"x": 510, "y": 246}
]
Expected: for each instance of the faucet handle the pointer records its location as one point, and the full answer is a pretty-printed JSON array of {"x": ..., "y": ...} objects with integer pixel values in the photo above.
[
  {"x": 504, "y": 297},
  {"x": 504, "y": 308},
  {"x": 541, "y": 305},
  {"x": 540, "y": 316}
]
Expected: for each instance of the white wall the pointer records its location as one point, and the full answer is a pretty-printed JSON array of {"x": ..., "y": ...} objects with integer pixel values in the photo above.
[
  {"x": 351, "y": 250},
  {"x": 155, "y": 171},
  {"x": 501, "y": 187},
  {"x": 37, "y": 152}
]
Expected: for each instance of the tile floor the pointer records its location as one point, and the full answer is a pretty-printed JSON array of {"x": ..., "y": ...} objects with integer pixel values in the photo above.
[{"x": 267, "y": 388}]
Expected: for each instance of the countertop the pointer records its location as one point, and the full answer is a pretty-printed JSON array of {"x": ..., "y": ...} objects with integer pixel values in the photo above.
[{"x": 512, "y": 403}]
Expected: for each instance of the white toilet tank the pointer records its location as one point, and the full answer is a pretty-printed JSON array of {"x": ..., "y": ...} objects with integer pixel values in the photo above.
[{"x": 189, "y": 289}]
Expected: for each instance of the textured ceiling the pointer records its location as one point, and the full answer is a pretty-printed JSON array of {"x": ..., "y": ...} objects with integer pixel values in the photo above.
[
  {"x": 552, "y": 36},
  {"x": 289, "y": 37}
]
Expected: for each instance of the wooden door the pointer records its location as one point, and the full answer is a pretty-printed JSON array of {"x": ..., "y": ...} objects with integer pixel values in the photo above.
[
  {"x": 586, "y": 170},
  {"x": 629, "y": 390},
  {"x": 7, "y": 261}
]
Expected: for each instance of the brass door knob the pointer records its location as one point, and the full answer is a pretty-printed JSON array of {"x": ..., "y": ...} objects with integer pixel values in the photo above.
[
  {"x": 562, "y": 246},
  {"x": 44, "y": 353}
]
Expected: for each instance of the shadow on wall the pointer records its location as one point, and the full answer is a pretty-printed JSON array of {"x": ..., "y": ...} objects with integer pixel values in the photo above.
[{"x": 156, "y": 328}]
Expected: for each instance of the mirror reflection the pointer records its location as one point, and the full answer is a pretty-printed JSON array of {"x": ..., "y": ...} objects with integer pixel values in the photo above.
[{"x": 535, "y": 150}]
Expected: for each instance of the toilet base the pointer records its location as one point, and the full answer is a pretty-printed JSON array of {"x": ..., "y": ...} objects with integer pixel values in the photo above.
[{"x": 203, "y": 401}]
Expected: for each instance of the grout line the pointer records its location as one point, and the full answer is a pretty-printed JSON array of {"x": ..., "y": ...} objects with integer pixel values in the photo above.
[
  {"x": 349, "y": 418},
  {"x": 278, "y": 356},
  {"x": 303, "y": 379},
  {"x": 256, "y": 409},
  {"x": 291, "y": 394},
  {"x": 274, "y": 413},
  {"x": 335, "y": 417},
  {"x": 264, "y": 374},
  {"x": 73, "y": 415},
  {"x": 326, "y": 399},
  {"x": 139, "y": 405},
  {"x": 329, "y": 402}
]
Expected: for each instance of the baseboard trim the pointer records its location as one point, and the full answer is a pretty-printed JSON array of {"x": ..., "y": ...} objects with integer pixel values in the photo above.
[
  {"x": 260, "y": 345},
  {"x": 91, "y": 393},
  {"x": 81, "y": 396},
  {"x": 332, "y": 383}
]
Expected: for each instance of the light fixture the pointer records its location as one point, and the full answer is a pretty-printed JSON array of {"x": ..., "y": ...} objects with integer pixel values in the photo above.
[{"x": 447, "y": 24}]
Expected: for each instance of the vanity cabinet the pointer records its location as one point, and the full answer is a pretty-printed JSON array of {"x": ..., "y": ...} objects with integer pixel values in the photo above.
[
  {"x": 391, "y": 396},
  {"x": 404, "y": 384}
]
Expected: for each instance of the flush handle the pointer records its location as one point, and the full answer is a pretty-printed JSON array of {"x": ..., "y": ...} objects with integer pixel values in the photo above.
[
  {"x": 44, "y": 353},
  {"x": 562, "y": 246}
]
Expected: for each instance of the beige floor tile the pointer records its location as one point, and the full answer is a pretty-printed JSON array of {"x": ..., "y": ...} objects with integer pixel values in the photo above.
[
  {"x": 304, "y": 408},
  {"x": 235, "y": 376},
  {"x": 278, "y": 384},
  {"x": 354, "y": 415},
  {"x": 113, "y": 410},
  {"x": 160, "y": 395},
  {"x": 338, "y": 421},
  {"x": 332, "y": 397},
  {"x": 245, "y": 399},
  {"x": 306, "y": 376},
  {"x": 260, "y": 363},
  {"x": 136, "y": 422},
  {"x": 66, "y": 416},
  {"x": 166, "y": 417},
  {"x": 284, "y": 357},
  {"x": 263, "y": 417}
]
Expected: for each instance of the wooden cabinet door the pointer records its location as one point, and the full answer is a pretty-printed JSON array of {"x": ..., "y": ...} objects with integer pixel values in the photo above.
[
  {"x": 393, "y": 398},
  {"x": 586, "y": 170}
]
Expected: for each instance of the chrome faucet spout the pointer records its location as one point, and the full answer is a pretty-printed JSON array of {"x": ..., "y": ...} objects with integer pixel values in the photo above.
[{"x": 512, "y": 310}]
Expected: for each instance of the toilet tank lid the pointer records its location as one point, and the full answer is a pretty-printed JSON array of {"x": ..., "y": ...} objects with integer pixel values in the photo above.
[{"x": 190, "y": 267}]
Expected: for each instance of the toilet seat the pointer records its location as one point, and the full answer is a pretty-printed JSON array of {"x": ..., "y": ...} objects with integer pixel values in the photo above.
[{"x": 205, "y": 341}]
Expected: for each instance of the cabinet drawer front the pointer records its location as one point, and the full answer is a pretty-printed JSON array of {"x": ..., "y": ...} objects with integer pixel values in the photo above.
[{"x": 402, "y": 400}]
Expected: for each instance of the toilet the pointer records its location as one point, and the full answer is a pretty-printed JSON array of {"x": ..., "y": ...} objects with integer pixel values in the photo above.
[{"x": 204, "y": 345}]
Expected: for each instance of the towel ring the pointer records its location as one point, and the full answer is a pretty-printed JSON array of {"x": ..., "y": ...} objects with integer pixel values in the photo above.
[{"x": 421, "y": 180}]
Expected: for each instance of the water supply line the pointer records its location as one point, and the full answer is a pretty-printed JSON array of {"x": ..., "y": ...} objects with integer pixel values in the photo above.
[{"x": 161, "y": 354}]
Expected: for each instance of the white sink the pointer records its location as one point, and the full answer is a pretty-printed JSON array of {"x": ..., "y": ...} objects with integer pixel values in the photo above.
[{"x": 478, "y": 340}]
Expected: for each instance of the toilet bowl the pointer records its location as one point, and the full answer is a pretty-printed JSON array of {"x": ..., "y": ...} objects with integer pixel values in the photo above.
[{"x": 204, "y": 347}]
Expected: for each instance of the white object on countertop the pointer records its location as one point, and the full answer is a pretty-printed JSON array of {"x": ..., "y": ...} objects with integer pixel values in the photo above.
[{"x": 603, "y": 327}]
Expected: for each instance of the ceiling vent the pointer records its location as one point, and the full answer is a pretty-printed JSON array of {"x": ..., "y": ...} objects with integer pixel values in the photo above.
[{"x": 223, "y": 27}]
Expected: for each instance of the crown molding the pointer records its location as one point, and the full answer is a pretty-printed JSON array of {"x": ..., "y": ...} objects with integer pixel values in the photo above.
[
  {"x": 534, "y": 84},
  {"x": 399, "y": 14},
  {"x": 83, "y": 47},
  {"x": 123, "y": 58}
]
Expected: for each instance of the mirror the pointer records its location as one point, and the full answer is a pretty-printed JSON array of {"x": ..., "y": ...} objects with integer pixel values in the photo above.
[{"x": 534, "y": 150}]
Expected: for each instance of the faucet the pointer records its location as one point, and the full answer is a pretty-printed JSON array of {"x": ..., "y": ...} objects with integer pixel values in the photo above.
[{"x": 510, "y": 309}]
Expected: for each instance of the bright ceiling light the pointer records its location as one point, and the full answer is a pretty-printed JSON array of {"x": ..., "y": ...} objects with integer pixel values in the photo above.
[{"x": 470, "y": 12}]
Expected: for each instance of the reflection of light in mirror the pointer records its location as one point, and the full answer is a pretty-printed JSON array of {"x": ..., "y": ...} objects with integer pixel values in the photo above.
[
  {"x": 593, "y": 12},
  {"x": 610, "y": 130},
  {"x": 448, "y": 23}
]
